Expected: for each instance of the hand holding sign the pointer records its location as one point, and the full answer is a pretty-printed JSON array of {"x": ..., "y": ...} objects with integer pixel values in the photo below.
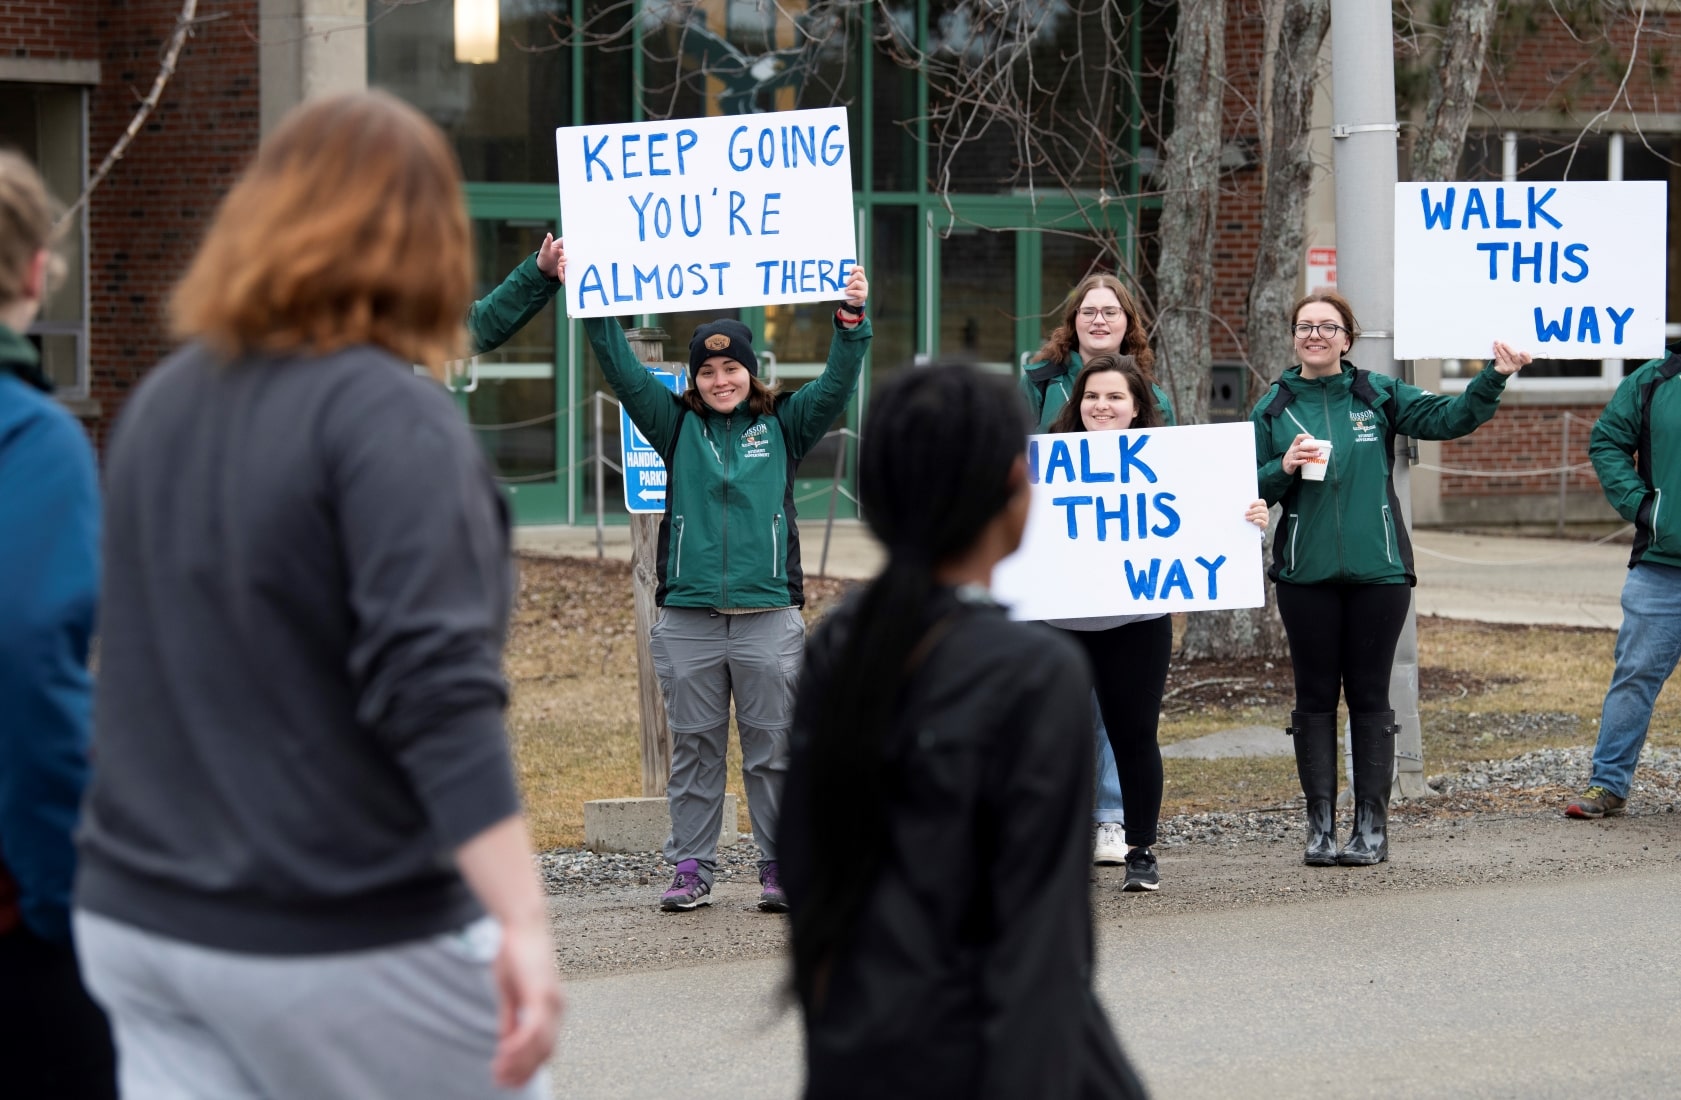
[{"x": 1508, "y": 360}]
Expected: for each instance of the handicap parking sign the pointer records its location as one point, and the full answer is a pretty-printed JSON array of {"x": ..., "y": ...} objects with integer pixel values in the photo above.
[{"x": 643, "y": 467}]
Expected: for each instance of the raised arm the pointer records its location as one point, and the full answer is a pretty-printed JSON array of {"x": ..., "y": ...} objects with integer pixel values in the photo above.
[
  {"x": 1425, "y": 415},
  {"x": 808, "y": 414},
  {"x": 653, "y": 408},
  {"x": 495, "y": 318}
]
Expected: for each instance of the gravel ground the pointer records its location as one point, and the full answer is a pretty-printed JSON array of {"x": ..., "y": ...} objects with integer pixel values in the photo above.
[{"x": 1499, "y": 820}]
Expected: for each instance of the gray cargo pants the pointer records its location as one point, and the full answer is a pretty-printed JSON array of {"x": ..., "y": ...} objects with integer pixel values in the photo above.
[{"x": 702, "y": 658}]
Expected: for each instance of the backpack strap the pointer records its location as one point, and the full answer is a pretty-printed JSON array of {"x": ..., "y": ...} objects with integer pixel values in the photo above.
[
  {"x": 1281, "y": 398},
  {"x": 1670, "y": 368},
  {"x": 1042, "y": 376}
]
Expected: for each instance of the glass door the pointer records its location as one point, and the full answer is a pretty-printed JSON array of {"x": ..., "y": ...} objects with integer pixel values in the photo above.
[{"x": 510, "y": 395}]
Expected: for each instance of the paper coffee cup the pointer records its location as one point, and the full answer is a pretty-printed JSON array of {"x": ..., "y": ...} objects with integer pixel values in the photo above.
[{"x": 1314, "y": 468}]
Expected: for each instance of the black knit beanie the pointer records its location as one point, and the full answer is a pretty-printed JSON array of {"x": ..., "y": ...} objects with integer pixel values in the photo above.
[{"x": 725, "y": 337}]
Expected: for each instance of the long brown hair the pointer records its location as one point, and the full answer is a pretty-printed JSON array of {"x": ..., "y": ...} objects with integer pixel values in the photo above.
[
  {"x": 348, "y": 228},
  {"x": 1146, "y": 414},
  {"x": 1063, "y": 341}
]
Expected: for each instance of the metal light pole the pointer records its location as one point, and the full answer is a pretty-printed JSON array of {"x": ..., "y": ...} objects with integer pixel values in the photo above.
[{"x": 1364, "y": 132}]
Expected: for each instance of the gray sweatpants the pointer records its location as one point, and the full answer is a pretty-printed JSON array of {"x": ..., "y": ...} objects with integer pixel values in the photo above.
[
  {"x": 191, "y": 1023},
  {"x": 703, "y": 658}
]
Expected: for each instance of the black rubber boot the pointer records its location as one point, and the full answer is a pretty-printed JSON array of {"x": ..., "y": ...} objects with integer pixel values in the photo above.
[
  {"x": 1373, "y": 740},
  {"x": 1316, "y": 764}
]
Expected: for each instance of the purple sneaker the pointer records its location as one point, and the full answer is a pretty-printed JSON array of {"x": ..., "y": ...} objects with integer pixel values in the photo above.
[
  {"x": 772, "y": 899},
  {"x": 688, "y": 890}
]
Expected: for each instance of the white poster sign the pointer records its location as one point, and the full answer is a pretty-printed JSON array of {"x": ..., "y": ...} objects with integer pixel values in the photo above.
[
  {"x": 1127, "y": 523},
  {"x": 706, "y": 213},
  {"x": 1560, "y": 270}
]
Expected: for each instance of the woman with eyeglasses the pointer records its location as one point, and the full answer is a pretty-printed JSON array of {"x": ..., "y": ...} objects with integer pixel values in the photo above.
[
  {"x": 1100, "y": 317},
  {"x": 1342, "y": 560}
]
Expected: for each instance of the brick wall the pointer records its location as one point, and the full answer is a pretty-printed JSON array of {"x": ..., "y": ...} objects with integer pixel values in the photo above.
[
  {"x": 147, "y": 217},
  {"x": 1522, "y": 437},
  {"x": 50, "y": 30}
]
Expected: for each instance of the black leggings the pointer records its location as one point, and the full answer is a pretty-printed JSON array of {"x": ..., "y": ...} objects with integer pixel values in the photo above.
[
  {"x": 1129, "y": 666},
  {"x": 1343, "y": 635}
]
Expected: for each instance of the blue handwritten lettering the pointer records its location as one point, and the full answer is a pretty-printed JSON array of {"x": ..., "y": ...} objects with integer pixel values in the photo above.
[
  {"x": 1130, "y": 460},
  {"x": 1546, "y": 330},
  {"x": 1143, "y": 585},
  {"x": 1212, "y": 567},
  {"x": 1618, "y": 320},
  {"x": 593, "y": 157},
  {"x": 1104, "y": 515},
  {"x": 1170, "y": 517},
  {"x": 1535, "y": 210},
  {"x": 1439, "y": 215},
  {"x": 1060, "y": 460},
  {"x": 1072, "y": 504},
  {"x": 654, "y": 155},
  {"x": 1176, "y": 578},
  {"x": 1087, "y": 474}
]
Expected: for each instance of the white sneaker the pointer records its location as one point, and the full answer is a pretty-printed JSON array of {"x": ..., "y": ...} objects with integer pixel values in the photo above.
[{"x": 1111, "y": 845}]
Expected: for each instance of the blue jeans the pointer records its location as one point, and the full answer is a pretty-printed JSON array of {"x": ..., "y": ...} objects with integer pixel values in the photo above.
[
  {"x": 1108, "y": 806},
  {"x": 1648, "y": 647}
]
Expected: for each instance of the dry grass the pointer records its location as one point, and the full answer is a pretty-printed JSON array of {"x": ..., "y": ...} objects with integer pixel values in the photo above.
[{"x": 1490, "y": 692}]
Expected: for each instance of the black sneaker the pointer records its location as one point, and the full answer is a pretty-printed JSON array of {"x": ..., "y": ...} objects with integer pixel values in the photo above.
[{"x": 1141, "y": 871}]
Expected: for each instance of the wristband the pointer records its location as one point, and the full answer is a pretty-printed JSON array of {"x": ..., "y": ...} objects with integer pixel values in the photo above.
[{"x": 850, "y": 309}]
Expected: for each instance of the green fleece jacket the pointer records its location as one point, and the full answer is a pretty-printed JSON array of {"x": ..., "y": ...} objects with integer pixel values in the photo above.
[
  {"x": 1636, "y": 451},
  {"x": 507, "y": 309},
  {"x": 1047, "y": 387},
  {"x": 727, "y": 539},
  {"x": 1345, "y": 529}
]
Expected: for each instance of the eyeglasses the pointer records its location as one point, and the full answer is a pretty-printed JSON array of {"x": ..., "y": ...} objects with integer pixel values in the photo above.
[
  {"x": 1327, "y": 330},
  {"x": 1089, "y": 313}
]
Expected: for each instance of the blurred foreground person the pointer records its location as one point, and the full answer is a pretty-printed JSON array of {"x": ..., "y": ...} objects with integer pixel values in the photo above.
[
  {"x": 302, "y": 805},
  {"x": 937, "y": 818},
  {"x": 53, "y": 1039}
]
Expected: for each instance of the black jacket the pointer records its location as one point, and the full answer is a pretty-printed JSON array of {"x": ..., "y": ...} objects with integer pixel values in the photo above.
[{"x": 969, "y": 972}]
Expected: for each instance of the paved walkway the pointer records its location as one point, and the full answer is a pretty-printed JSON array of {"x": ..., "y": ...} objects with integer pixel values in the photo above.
[
  {"x": 1443, "y": 993},
  {"x": 1483, "y": 577}
]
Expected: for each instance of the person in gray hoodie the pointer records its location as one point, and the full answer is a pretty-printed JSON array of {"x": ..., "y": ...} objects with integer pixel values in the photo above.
[{"x": 304, "y": 870}]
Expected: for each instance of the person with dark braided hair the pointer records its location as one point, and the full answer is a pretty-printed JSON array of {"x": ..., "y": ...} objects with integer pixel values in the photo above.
[{"x": 935, "y": 829}]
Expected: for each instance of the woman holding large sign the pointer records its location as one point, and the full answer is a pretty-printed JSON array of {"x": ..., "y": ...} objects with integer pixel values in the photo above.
[
  {"x": 1128, "y": 653},
  {"x": 730, "y": 586},
  {"x": 1324, "y": 436},
  {"x": 1099, "y": 317}
]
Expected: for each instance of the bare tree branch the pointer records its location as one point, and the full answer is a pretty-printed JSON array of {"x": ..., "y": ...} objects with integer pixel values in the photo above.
[{"x": 183, "y": 28}]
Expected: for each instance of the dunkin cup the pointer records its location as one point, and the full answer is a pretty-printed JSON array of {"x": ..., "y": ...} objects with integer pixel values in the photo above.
[{"x": 1314, "y": 468}]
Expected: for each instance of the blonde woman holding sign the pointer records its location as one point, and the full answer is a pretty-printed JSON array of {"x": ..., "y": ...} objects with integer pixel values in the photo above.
[
  {"x": 1128, "y": 653},
  {"x": 730, "y": 587},
  {"x": 1324, "y": 440}
]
